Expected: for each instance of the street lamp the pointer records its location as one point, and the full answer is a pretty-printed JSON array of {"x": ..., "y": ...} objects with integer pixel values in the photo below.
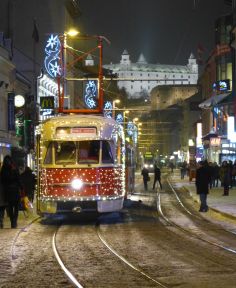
[
  {"x": 72, "y": 32},
  {"x": 114, "y": 107}
]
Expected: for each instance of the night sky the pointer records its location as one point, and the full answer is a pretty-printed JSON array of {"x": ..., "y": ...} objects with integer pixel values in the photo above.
[{"x": 165, "y": 31}]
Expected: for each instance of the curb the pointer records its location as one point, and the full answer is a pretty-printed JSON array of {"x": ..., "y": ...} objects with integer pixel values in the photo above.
[{"x": 227, "y": 215}]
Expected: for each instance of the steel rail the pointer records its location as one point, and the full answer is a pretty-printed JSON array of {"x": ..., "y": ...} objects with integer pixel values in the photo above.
[
  {"x": 124, "y": 260},
  {"x": 70, "y": 276},
  {"x": 194, "y": 235},
  {"x": 196, "y": 216},
  {"x": 23, "y": 229}
]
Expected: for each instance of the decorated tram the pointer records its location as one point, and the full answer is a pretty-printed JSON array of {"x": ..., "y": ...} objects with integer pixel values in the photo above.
[{"x": 81, "y": 165}]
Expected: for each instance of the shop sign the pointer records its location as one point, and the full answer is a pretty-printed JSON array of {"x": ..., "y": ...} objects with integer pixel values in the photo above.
[
  {"x": 47, "y": 102},
  {"x": 11, "y": 111},
  {"x": 215, "y": 141}
]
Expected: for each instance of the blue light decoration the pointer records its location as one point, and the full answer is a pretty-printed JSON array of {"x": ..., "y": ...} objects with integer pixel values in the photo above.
[
  {"x": 108, "y": 109},
  {"x": 221, "y": 85},
  {"x": 130, "y": 128},
  {"x": 90, "y": 94},
  {"x": 119, "y": 118},
  {"x": 52, "y": 58}
]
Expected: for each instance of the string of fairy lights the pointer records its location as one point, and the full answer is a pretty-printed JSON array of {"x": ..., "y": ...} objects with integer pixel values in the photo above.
[{"x": 99, "y": 182}]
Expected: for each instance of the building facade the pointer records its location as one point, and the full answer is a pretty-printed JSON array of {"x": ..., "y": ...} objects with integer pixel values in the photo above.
[
  {"x": 218, "y": 92},
  {"x": 139, "y": 78}
]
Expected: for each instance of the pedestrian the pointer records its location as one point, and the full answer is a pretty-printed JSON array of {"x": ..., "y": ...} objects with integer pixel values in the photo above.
[
  {"x": 11, "y": 188},
  {"x": 146, "y": 177},
  {"x": 230, "y": 164},
  {"x": 28, "y": 181},
  {"x": 183, "y": 167},
  {"x": 3, "y": 205},
  {"x": 211, "y": 171},
  {"x": 172, "y": 167},
  {"x": 225, "y": 177},
  {"x": 202, "y": 184},
  {"x": 216, "y": 174},
  {"x": 157, "y": 176},
  {"x": 234, "y": 173}
]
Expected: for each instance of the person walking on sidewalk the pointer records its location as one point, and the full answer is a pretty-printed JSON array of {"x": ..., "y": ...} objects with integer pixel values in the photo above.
[
  {"x": 11, "y": 186},
  {"x": 146, "y": 177},
  {"x": 202, "y": 184},
  {"x": 216, "y": 174},
  {"x": 225, "y": 177},
  {"x": 157, "y": 176}
]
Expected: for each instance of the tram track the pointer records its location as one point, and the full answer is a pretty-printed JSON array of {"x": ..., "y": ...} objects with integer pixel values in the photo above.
[
  {"x": 197, "y": 217},
  {"x": 76, "y": 278},
  {"x": 7, "y": 265},
  {"x": 61, "y": 263},
  {"x": 194, "y": 214},
  {"x": 72, "y": 275},
  {"x": 15, "y": 239},
  {"x": 126, "y": 261}
]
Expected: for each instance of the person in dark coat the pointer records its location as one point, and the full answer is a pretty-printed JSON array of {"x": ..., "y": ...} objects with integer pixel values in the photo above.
[
  {"x": 225, "y": 177},
  {"x": 10, "y": 180},
  {"x": 146, "y": 178},
  {"x": 203, "y": 178},
  {"x": 3, "y": 205},
  {"x": 216, "y": 174},
  {"x": 28, "y": 181},
  {"x": 157, "y": 176}
]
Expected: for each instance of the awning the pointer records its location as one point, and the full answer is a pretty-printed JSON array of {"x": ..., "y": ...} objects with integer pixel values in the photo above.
[{"x": 213, "y": 101}]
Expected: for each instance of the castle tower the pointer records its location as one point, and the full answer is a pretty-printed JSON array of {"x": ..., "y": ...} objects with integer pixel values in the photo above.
[
  {"x": 141, "y": 59},
  {"x": 192, "y": 63},
  {"x": 125, "y": 58}
]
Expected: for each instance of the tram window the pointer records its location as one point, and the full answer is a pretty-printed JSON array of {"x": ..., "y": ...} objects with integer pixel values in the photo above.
[
  {"x": 48, "y": 157},
  {"x": 106, "y": 153},
  {"x": 118, "y": 151},
  {"x": 65, "y": 152},
  {"x": 88, "y": 152}
]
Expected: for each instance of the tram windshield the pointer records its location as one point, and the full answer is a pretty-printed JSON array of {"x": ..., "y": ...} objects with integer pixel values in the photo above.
[{"x": 78, "y": 152}]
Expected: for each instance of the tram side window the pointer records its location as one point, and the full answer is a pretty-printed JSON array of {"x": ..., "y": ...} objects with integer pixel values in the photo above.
[
  {"x": 106, "y": 153},
  {"x": 48, "y": 156},
  {"x": 89, "y": 152},
  {"x": 118, "y": 151},
  {"x": 65, "y": 152}
]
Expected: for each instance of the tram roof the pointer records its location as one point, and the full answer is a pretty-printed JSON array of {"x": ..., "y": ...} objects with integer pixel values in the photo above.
[
  {"x": 107, "y": 126},
  {"x": 79, "y": 118}
]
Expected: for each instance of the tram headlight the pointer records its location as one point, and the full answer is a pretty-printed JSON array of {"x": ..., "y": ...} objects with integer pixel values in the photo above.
[{"x": 76, "y": 184}]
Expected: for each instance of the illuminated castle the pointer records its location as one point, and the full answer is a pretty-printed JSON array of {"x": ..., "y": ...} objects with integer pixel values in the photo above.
[{"x": 138, "y": 79}]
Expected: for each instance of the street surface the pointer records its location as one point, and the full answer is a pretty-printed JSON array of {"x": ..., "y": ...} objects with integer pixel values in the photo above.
[{"x": 153, "y": 242}]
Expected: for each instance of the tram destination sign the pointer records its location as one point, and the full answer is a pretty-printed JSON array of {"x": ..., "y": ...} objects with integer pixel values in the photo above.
[{"x": 84, "y": 131}]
